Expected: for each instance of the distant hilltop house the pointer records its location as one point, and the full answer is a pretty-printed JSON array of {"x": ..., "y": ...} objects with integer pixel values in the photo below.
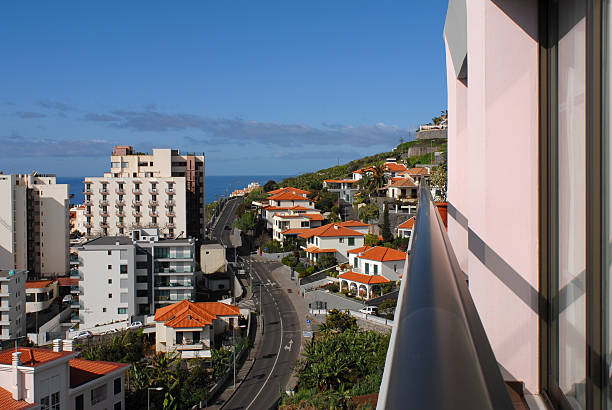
[{"x": 242, "y": 192}]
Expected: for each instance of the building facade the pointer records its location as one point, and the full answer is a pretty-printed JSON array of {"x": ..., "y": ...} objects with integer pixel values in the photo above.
[
  {"x": 533, "y": 107},
  {"x": 34, "y": 224},
  {"x": 12, "y": 304},
  {"x": 164, "y": 190},
  {"x": 127, "y": 277}
]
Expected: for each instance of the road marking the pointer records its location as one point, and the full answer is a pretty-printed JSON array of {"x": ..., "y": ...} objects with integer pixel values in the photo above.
[{"x": 280, "y": 345}]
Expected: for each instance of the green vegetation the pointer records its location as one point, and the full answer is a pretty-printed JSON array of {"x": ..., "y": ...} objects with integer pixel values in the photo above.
[
  {"x": 385, "y": 228},
  {"x": 368, "y": 213},
  {"x": 341, "y": 362},
  {"x": 439, "y": 179}
]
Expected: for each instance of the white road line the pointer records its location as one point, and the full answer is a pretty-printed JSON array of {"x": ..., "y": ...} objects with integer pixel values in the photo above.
[{"x": 280, "y": 345}]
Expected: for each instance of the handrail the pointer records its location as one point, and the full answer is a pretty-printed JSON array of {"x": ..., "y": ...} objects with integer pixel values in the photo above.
[{"x": 439, "y": 356}]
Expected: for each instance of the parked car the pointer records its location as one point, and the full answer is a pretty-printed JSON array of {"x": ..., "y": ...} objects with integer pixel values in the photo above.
[
  {"x": 135, "y": 325},
  {"x": 67, "y": 299},
  {"x": 84, "y": 335},
  {"x": 369, "y": 310},
  {"x": 112, "y": 332}
]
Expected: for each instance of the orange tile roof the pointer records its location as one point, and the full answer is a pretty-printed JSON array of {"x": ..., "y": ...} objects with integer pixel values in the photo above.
[
  {"x": 418, "y": 171},
  {"x": 185, "y": 313},
  {"x": 314, "y": 217},
  {"x": 404, "y": 182},
  {"x": 300, "y": 208},
  {"x": 314, "y": 249},
  {"x": 393, "y": 167},
  {"x": 289, "y": 216},
  {"x": 32, "y": 356},
  {"x": 294, "y": 231},
  {"x": 350, "y": 223},
  {"x": 38, "y": 284},
  {"x": 288, "y": 196},
  {"x": 330, "y": 230},
  {"x": 8, "y": 403},
  {"x": 407, "y": 224},
  {"x": 383, "y": 254},
  {"x": 359, "y": 250},
  {"x": 289, "y": 188},
  {"x": 361, "y": 278},
  {"x": 277, "y": 208},
  {"x": 83, "y": 371},
  {"x": 67, "y": 281}
]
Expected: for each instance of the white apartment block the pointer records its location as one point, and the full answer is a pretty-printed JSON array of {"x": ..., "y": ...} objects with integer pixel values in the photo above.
[
  {"x": 164, "y": 190},
  {"x": 125, "y": 277},
  {"x": 12, "y": 303},
  {"x": 34, "y": 224},
  {"x": 56, "y": 379}
]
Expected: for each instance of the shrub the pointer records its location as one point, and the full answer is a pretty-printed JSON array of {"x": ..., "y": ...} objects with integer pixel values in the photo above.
[{"x": 333, "y": 287}]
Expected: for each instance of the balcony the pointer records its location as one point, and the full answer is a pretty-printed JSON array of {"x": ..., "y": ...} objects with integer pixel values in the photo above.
[
  {"x": 87, "y": 191},
  {"x": 120, "y": 224},
  {"x": 88, "y": 214},
  {"x": 137, "y": 213},
  {"x": 171, "y": 225},
  {"x": 136, "y": 191},
  {"x": 170, "y": 191},
  {"x": 75, "y": 273},
  {"x": 119, "y": 203},
  {"x": 438, "y": 343},
  {"x": 170, "y": 213},
  {"x": 103, "y": 191},
  {"x": 87, "y": 225},
  {"x": 136, "y": 203},
  {"x": 74, "y": 318},
  {"x": 153, "y": 213},
  {"x": 75, "y": 260},
  {"x": 120, "y": 213},
  {"x": 75, "y": 289},
  {"x": 153, "y": 191},
  {"x": 103, "y": 224},
  {"x": 120, "y": 191},
  {"x": 103, "y": 202},
  {"x": 152, "y": 203},
  {"x": 87, "y": 202},
  {"x": 167, "y": 284},
  {"x": 170, "y": 202},
  {"x": 174, "y": 270},
  {"x": 104, "y": 214}
]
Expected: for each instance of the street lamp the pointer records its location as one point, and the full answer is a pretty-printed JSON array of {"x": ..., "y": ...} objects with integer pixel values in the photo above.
[{"x": 149, "y": 395}]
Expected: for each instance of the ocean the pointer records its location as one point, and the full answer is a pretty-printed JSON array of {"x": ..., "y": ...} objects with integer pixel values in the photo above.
[{"x": 215, "y": 185}]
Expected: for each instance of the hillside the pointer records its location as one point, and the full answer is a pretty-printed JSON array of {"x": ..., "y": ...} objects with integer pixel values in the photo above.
[{"x": 314, "y": 180}]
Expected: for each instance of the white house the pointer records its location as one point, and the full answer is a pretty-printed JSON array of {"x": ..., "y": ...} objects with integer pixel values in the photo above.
[
  {"x": 55, "y": 379},
  {"x": 40, "y": 294},
  {"x": 402, "y": 188},
  {"x": 358, "y": 226},
  {"x": 190, "y": 328},
  {"x": 294, "y": 222},
  {"x": 405, "y": 229},
  {"x": 333, "y": 239},
  {"x": 346, "y": 188}
]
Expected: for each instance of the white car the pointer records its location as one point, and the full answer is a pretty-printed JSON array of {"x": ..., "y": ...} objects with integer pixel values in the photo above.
[
  {"x": 84, "y": 335},
  {"x": 67, "y": 299},
  {"x": 369, "y": 310},
  {"x": 135, "y": 325}
]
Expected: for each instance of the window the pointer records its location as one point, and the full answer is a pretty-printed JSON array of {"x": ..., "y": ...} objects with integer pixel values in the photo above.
[
  {"x": 110, "y": 295},
  {"x": 44, "y": 403},
  {"x": 356, "y": 263},
  {"x": 179, "y": 338},
  {"x": 123, "y": 269},
  {"x": 79, "y": 402},
  {"x": 142, "y": 265},
  {"x": 375, "y": 269},
  {"x": 103, "y": 310},
  {"x": 117, "y": 406},
  {"x": 110, "y": 281},
  {"x": 109, "y": 252},
  {"x": 367, "y": 268},
  {"x": 351, "y": 241},
  {"x": 117, "y": 385},
  {"x": 141, "y": 293},
  {"x": 109, "y": 267},
  {"x": 98, "y": 394},
  {"x": 122, "y": 311},
  {"x": 341, "y": 240},
  {"x": 142, "y": 279}
]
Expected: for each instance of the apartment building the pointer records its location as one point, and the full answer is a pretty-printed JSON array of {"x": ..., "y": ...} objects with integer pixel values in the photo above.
[
  {"x": 531, "y": 112},
  {"x": 164, "y": 190},
  {"x": 56, "y": 379},
  {"x": 124, "y": 277},
  {"x": 34, "y": 224},
  {"x": 40, "y": 295},
  {"x": 12, "y": 303}
]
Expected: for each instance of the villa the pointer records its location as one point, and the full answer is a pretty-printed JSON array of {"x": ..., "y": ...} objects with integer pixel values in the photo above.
[{"x": 332, "y": 239}]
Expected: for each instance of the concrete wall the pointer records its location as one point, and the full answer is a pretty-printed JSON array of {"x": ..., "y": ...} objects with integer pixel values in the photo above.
[
  {"x": 485, "y": 217},
  {"x": 333, "y": 300}
]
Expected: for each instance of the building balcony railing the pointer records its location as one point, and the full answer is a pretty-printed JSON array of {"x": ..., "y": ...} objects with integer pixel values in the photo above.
[
  {"x": 136, "y": 191},
  {"x": 88, "y": 214},
  {"x": 170, "y": 203},
  {"x": 119, "y": 203},
  {"x": 153, "y": 191},
  {"x": 136, "y": 203},
  {"x": 170, "y": 191},
  {"x": 174, "y": 270},
  {"x": 120, "y": 224},
  {"x": 171, "y": 225},
  {"x": 152, "y": 203},
  {"x": 104, "y": 214},
  {"x": 87, "y": 191},
  {"x": 87, "y": 203},
  {"x": 87, "y": 225},
  {"x": 103, "y": 224},
  {"x": 120, "y": 214},
  {"x": 103, "y": 191},
  {"x": 137, "y": 213},
  {"x": 120, "y": 191},
  {"x": 170, "y": 213},
  {"x": 185, "y": 284},
  {"x": 103, "y": 202},
  {"x": 438, "y": 338},
  {"x": 75, "y": 289},
  {"x": 75, "y": 273},
  {"x": 153, "y": 213}
]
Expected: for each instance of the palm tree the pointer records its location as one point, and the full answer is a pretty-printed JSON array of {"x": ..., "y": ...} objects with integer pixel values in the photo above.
[{"x": 378, "y": 176}]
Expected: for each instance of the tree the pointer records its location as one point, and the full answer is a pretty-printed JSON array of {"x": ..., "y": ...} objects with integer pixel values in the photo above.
[
  {"x": 326, "y": 261},
  {"x": 368, "y": 213},
  {"x": 371, "y": 240},
  {"x": 439, "y": 179},
  {"x": 378, "y": 176},
  {"x": 338, "y": 321},
  {"x": 386, "y": 226},
  {"x": 246, "y": 222},
  {"x": 271, "y": 185}
]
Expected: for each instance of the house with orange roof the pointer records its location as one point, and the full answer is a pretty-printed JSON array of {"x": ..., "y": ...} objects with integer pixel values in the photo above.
[
  {"x": 288, "y": 223},
  {"x": 332, "y": 239},
  {"x": 358, "y": 226},
  {"x": 391, "y": 166},
  {"x": 403, "y": 189},
  {"x": 190, "y": 327},
  {"x": 40, "y": 295},
  {"x": 289, "y": 189},
  {"x": 405, "y": 229},
  {"x": 55, "y": 378}
]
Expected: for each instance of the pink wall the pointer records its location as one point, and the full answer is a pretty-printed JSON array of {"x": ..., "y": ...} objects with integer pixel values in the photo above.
[{"x": 493, "y": 178}]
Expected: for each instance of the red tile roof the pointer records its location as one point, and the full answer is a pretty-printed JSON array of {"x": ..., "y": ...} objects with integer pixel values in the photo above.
[
  {"x": 383, "y": 254},
  {"x": 38, "y": 284},
  {"x": 418, "y": 171},
  {"x": 277, "y": 208},
  {"x": 185, "y": 313},
  {"x": 83, "y": 371},
  {"x": 314, "y": 217},
  {"x": 296, "y": 190},
  {"x": 330, "y": 230},
  {"x": 314, "y": 249},
  {"x": 407, "y": 224},
  {"x": 300, "y": 208},
  {"x": 393, "y": 167},
  {"x": 295, "y": 231},
  {"x": 359, "y": 250},
  {"x": 288, "y": 196},
  {"x": 8, "y": 403},
  {"x": 351, "y": 223},
  {"x": 67, "y": 281},
  {"x": 366, "y": 279},
  {"x": 404, "y": 182},
  {"x": 32, "y": 356}
]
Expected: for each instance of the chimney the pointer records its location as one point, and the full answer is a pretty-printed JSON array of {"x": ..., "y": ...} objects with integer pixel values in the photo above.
[
  {"x": 16, "y": 376},
  {"x": 57, "y": 345},
  {"x": 68, "y": 345}
]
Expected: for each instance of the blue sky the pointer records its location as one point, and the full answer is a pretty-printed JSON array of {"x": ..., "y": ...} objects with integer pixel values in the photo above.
[{"x": 261, "y": 87}]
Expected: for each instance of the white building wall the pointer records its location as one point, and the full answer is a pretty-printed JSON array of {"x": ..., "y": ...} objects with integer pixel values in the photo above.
[
  {"x": 342, "y": 247},
  {"x": 12, "y": 305}
]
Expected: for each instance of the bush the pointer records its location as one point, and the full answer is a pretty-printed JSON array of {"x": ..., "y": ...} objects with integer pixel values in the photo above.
[
  {"x": 310, "y": 270},
  {"x": 273, "y": 246},
  {"x": 333, "y": 287}
]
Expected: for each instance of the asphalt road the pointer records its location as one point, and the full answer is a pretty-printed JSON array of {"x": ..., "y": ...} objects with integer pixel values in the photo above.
[
  {"x": 226, "y": 219},
  {"x": 278, "y": 350}
]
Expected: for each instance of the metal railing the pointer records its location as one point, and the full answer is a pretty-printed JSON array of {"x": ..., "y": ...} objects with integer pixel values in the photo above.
[{"x": 439, "y": 356}]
